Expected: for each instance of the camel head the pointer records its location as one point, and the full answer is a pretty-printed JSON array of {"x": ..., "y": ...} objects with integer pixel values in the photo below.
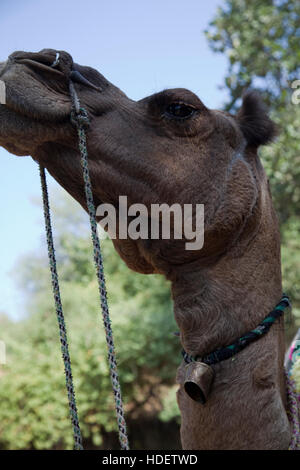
[{"x": 166, "y": 148}]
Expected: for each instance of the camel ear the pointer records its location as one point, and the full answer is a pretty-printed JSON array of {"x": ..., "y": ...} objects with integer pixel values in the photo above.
[{"x": 254, "y": 122}]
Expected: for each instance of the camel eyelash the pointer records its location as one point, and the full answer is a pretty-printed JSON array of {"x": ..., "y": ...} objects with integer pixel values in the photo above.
[{"x": 179, "y": 111}]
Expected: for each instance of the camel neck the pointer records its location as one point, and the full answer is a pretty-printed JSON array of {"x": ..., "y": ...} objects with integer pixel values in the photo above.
[{"x": 215, "y": 305}]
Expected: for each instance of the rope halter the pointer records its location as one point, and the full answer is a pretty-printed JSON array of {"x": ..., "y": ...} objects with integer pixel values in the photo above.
[{"x": 79, "y": 119}]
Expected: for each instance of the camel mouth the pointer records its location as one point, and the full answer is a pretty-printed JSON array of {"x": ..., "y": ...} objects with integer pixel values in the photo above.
[
  {"x": 45, "y": 107},
  {"x": 23, "y": 110}
]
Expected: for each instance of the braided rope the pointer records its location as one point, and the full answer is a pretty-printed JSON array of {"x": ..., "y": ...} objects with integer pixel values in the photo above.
[
  {"x": 241, "y": 343},
  {"x": 294, "y": 352},
  {"x": 60, "y": 315},
  {"x": 293, "y": 412},
  {"x": 80, "y": 119}
]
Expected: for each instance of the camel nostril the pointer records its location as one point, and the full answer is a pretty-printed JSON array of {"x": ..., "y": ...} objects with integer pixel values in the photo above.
[
  {"x": 40, "y": 66},
  {"x": 33, "y": 56}
]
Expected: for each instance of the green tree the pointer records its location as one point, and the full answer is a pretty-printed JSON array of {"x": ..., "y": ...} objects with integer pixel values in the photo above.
[
  {"x": 33, "y": 402},
  {"x": 261, "y": 41}
]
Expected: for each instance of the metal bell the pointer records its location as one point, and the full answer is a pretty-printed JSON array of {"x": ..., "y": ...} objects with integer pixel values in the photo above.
[{"x": 198, "y": 381}]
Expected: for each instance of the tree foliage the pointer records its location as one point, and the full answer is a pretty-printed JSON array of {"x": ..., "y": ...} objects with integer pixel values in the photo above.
[
  {"x": 261, "y": 40},
  {"x": 33, "y": 402}
]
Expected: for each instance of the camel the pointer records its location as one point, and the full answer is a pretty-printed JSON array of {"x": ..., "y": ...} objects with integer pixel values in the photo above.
[{"x": 170, "y": 148}]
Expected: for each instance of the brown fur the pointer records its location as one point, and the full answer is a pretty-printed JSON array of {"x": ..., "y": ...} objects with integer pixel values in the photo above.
[{"x": 219, "y": 292}]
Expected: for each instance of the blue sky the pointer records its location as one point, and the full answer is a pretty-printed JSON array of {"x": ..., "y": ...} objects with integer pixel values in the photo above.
[{"x": 140, "y": 46}]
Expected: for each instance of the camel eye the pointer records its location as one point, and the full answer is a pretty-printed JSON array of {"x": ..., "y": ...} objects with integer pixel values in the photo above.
[{"x": 179, "y": 111}]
